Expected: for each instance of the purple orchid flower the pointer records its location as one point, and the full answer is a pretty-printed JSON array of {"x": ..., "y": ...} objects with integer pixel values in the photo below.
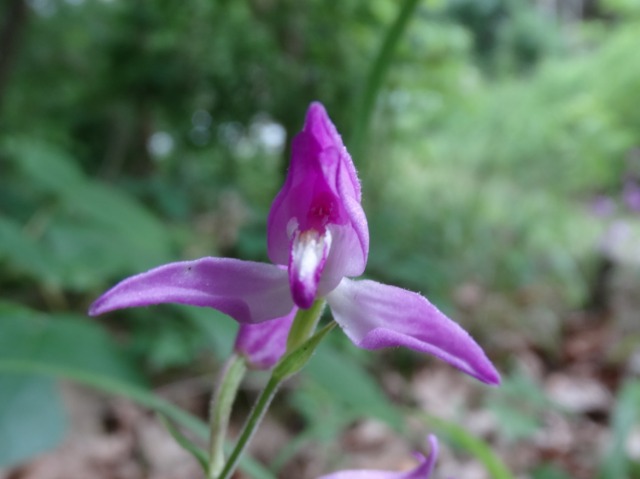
[
  {"x": 422, "y": 471},
  {"x": 318, "y": 230}
]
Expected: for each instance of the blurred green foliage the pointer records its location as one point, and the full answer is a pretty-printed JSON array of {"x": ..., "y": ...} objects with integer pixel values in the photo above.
[{"x": 135, "y": 133}]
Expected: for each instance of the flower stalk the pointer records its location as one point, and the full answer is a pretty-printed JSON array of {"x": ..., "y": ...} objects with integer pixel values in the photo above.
[
  {"x": 220, "y": 411},
  {"x": 290, "y": 364}
]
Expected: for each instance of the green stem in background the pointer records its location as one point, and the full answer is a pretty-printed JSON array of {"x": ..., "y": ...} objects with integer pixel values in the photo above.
[
  {"x": 290, "y": 364},
  {"x": 305, "y": 324},
  {"x": 220, "y": 411},
  {"x": 376, "y": 75}
]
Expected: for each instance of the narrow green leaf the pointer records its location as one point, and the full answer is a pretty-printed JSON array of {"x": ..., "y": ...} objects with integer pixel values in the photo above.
[
  {"x": 351, "y": 385},
  {"x": 299, "y": 357},
  {"x": 463, "y": 439},
  {"x": 626, "y": 413},
  {"x": 376, "y": 75},
  {"x": 185, "y": 442}
]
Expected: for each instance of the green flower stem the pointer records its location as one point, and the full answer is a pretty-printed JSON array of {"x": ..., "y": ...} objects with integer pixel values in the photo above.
[
  {"x": 290, "y": 364},
  {"x": 376, "y": 75},
  {"x": 305, "y": 324},
  {"x": 220, "y": 410},
  {"x": 254, "y": 420}
]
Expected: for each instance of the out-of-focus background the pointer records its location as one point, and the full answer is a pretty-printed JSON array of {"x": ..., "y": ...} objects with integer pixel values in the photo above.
[{"x": 498, "y": 144}]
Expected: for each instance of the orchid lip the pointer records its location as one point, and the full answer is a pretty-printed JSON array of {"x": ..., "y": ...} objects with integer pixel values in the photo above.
[{"x": 309, "y": 251}]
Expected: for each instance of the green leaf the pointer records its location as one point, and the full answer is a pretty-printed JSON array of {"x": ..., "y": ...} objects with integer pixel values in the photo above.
[
  {"x": 135, "y": 393},
  {"x": 65, "y": 340},
  {"x": 93, "y": 210},
  {"x": 142, "y": 238},
  {"x": 549, "y": 471},
  {"x": 626, "y": 414},
  {"x": 31, "y": 416},
  {"x": 185, "y": 442},
  {"x": 44, "y": 164},
  {"x": 67, "y": 347},
  {"x": 351, "y": 385},
  {"x": 23, "y": 253},
  {"x": 519, "y": 404},
  {"x": 217, "y": 328},
  {"x": 32, "y": 419}
]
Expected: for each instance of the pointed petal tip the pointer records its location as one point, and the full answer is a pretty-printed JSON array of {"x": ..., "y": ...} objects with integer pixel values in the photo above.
[
  {"x": 101, "y": 306},
  {"x": 376, "y": 316},
  {"x": 94, "y": 310},
  {"x": 319, "y": 126},
  {"x": 486, "y": 372},
  {"x": 482, "y": 369},
  {"x": 493, "y": 378},
  {"x": 316, "y": 111}
]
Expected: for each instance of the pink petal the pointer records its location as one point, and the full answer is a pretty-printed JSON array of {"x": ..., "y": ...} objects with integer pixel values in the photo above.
[
  {"x": 321, "y": 192},
  {"x": 375, "y": 315},
  {"x": 263, "y": 344},
  {"x": 422, "y": 471},
  {"x": 247, "y": 291}
]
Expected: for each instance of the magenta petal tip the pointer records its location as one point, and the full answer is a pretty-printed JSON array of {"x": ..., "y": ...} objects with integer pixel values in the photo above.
[{"x": 375, "y": 316}]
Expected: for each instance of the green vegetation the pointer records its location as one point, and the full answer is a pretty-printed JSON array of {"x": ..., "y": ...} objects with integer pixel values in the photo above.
[{"x": 136, "y": 133}]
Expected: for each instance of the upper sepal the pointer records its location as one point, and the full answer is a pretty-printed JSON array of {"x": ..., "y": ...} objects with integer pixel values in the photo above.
[{"x": 321, "y": 192}]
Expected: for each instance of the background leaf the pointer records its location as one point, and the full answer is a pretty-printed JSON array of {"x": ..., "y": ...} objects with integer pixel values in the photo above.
[{"x": 32, "y": 417}]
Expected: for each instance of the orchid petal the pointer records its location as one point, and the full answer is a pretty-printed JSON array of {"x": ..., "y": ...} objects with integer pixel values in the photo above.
[
  {"x": 375, "y": 315},
  {"x": 321, "y": 192},
  {"x": 263, "y": 344},
  {"x": 422, "y": 471},
  {"x": 247, "y": 291}
]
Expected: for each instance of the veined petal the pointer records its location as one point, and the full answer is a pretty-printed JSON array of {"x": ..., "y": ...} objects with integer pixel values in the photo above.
[
  {"x": 321, "y": 192},
  {"x": 308, "y": 257},
  {"x": 422, "y": 471},
  {"x": 375, "y": 315},
  {"x": 247, "y": 291},
  {"x": 263, "y": 344}
]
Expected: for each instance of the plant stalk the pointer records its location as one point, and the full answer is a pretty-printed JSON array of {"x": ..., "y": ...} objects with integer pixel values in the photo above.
[
  {"x": 220, "y": 411},
  {"x": 249, "y": 429},
  {"x": 376, "y": 75}
]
